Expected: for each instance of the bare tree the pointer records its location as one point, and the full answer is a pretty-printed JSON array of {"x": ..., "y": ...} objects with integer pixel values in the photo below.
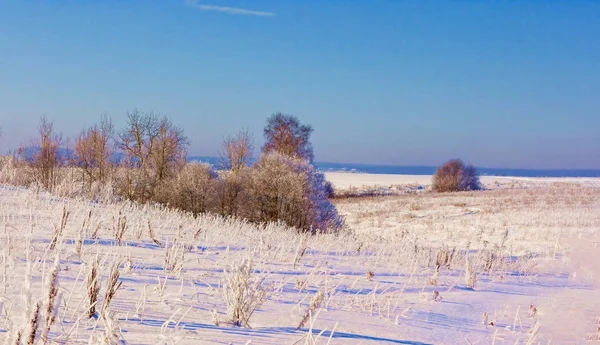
[
  {"x": 153, "y": 145},
  {"x": 168, "y": 149},
  {"x": 286, "y": 135},
  {"x": 235, "y": 157},
  {"x": 94, "y": 149},
  {"x": 137, "y": 138},
  {"x": 236, "y": 151},
  {"x": 45, "y": 161}
]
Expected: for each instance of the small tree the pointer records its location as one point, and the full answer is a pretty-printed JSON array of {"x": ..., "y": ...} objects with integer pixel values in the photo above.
[
  {"x": 236, "y": 151},
  {"x": 93, "y": 151},
  {"x": 45, "y": 160},
  {"x": 168, "y": 150},
  {"x": 154, "y": 146},
  {"x": 235, "y": 157},
  {"x": 286, "y": 135},
  {"x": 454, "y": 176}
]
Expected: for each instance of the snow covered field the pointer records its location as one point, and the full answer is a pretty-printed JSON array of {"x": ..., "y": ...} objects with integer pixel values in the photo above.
[
  {"x": 344, "y": 180},
  {"x": 506, "y": 266}
]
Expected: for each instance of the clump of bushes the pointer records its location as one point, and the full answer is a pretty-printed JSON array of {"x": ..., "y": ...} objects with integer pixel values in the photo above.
[
  {"x": 289, "y": 189},
  {"x": 145, "y": 162},
  {"x": 455, "y": 176},
  {"x": 192, "y": 189}
]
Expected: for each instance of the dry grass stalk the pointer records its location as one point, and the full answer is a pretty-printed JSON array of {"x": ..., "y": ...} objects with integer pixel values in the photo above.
[
  {"x": 444, "y": 258},
  {"x": 120, "y": 227},
  {"x": 174, "y": 257},
  {"x": 112, "y": 285},
  {"x": 301, "y": 284},
  {"x": 51, "y": 304},
  {"x": 215, "y": 317},
  {"x": 533, "y": 332},
  {"x": 18, "y": 336},
  {"x": 84, "y": 226},
  {"x": 300, "y": 251},
  {"x": 434, "y": 279},
  {"x": 93, "y": 288},
  {"x": 34, "y": 321},
  {"x": 151, "y": 234},
  {"x": 59, "y": 229},
  {"x": 95, "y": 232},
  {"x": 315, "y": 303},
  {"x": 470, "y": 274}
]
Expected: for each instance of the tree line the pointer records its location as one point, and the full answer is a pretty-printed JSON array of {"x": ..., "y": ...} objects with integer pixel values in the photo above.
[{"x": 146, "y": 162}]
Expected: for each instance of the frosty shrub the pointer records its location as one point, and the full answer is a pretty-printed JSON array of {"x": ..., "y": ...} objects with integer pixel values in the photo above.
[
  {"x": 283, "y": 188},
  {"x": 133, "y": 183},
  {"x": 455, "y": 176},
  {"x": 243, "y": 292},
  {"x": 192, "y": 189},
  {"x": 15, "y": 172},
  {"x": 230, "y": 191}
]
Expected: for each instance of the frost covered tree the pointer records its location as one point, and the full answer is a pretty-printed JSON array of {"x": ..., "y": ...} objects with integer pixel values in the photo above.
[
  {"x": 286, "y": 135},
  {"x": 289, "y": 189},
  {"x": 192, "y": 189},
  {"x": 236, "y": 152},
  {"x": 155, "y": 148},
  {"x": 45, "y": 161},
  {"x": 93, "y": 150}
]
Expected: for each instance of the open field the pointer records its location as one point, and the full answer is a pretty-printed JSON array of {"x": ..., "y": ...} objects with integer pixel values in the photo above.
[
  {"x": 397, "y": 184},
  {"x": 507, "y": 266}
]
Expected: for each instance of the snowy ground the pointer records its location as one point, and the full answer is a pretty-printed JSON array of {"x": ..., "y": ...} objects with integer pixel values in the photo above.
[
  {"x": 344, "y": 180},
  {"x": 527, "y": 247}
]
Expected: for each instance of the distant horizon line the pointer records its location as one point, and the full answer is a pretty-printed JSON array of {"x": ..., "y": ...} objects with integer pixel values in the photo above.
[
  {"x": 480, "y": 168},
  {"x": 425, "y": 169}
]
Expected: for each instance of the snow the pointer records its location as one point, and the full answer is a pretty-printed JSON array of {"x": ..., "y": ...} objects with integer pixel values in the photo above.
[
  {"x": 548, "y": 237},
  {"x": 345, "y": 180}
]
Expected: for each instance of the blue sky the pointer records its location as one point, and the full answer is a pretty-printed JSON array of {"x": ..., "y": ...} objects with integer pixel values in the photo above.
[{"x": 510, "y": 84}]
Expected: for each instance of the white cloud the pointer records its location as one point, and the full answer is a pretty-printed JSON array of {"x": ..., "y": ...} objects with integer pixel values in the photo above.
[{"x": 228, "y": 10}]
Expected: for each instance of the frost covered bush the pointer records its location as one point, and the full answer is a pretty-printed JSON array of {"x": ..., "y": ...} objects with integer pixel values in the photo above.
[
  {"x": 230, "y": 192},
  {"x": 192, "y": 189},
  {"x": 243, "y": 292},
  {"x": 13, "y": 172},
  {"x": 291, "y": 190},
  {"x": 455, "y": 176}
]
